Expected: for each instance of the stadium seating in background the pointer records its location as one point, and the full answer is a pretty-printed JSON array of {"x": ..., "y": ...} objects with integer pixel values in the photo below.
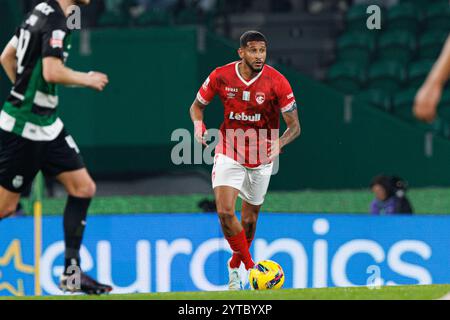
[
  {"x": 441, "y": 127},
  {"x": 419, "y": 4},
  {"x": 402, "y": 103},
  {"x": 188, "y": 15},
  {"x": 403, "y": 100},
  {"x": 404, "y": 16},
  {"x": 120, "y": 13},
  {"x": 397, "y": 45},
  {"x": 431, "y": 43},
  {"x": 437, "y": 16},
  {"x": 347, "y": 77},
  {"x": 375, "y": 97},
  {"x": 418, "y": 71},
  {"x": 395, "y": 60},
  {"x": 112, "y": 19},
  {"x": 356, "y": 46},
  {"x": 444, "y": 105},
  {"x": 386, "y": 75},
  {"x": 356, "y": 17},
  {"x": 153, "y": 17}
]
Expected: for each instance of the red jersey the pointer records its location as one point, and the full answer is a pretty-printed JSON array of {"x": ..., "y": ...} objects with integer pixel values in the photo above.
[{"x": 251, "y": 110}]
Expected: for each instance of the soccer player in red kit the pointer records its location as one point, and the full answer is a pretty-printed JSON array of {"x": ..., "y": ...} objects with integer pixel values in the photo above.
[{"x": 253, "y": 95}]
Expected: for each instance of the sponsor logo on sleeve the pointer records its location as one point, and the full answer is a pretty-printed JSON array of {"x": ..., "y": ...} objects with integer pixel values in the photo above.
[
  {"x": 205, "y": 84},
  {"x": 57, "y": 39},
  {"x": 44, "y": 8}
]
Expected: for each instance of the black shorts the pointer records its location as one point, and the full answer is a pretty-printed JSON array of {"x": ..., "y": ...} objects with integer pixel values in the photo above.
[{"x": 21, "y": 159}]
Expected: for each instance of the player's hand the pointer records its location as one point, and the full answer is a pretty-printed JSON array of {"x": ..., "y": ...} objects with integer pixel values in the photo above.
[
  {"x": 274, "y": 149},
  {"x": 97, "y": 80},
  {"x": 200, "y": 132},
  {"x": 426, "y": 102}
]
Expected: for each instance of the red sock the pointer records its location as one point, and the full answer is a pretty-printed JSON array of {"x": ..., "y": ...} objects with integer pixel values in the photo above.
[
  {"x": 238, "y": 244},
  {"x": 236, "y": 259}
]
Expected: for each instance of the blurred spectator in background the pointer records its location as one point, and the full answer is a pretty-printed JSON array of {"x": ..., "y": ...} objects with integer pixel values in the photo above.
[
  {"x": 390, "y": 197},
  {"x": 207, "y": 5}
]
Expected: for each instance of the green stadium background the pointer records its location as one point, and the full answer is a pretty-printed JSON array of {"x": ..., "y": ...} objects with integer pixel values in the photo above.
[{"x": 155, "y": 73}]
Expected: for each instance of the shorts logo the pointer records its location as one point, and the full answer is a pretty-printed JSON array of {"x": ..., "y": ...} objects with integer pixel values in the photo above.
[
  {"x": 260, "y": 97},
  {"x": 72, "y": 144},
  {"x": 17, "y": 182}
]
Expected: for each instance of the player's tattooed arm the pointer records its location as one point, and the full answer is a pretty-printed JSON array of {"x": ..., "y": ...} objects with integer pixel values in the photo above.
[
  {"x": 54, "y": 71},
  {"x": 196, "y": 112},
  {"x": 293, "y": 129},
  {"x": 292, "y": 132},
  {"x": 9, "y": 62}
]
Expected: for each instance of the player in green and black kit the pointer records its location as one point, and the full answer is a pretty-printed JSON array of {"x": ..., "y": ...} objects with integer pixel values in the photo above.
[{"x": 33, "y": 138}]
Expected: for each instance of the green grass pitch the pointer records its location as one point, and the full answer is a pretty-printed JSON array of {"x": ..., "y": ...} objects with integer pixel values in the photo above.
[{"x": 412, "y": 292}]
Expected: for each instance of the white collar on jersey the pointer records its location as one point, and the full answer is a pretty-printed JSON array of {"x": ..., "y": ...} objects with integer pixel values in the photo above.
[{"x": 247, "y": 83}]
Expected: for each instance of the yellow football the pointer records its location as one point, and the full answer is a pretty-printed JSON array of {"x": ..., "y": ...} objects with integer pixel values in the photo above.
[{"x": 266, "y": 275}]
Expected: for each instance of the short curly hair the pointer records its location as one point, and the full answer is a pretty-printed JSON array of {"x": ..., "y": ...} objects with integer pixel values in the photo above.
[{"x": 251, "y": 36}]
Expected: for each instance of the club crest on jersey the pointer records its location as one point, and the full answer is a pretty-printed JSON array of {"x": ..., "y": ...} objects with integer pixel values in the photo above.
[
  {"x": 260, "y": 97},
  {"x": 17, "y": 181}
]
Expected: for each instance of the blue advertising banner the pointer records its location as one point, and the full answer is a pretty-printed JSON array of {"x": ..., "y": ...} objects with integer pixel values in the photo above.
[{"x": 187, "y": 252}]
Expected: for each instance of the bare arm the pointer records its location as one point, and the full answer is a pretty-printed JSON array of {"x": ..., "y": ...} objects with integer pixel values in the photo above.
[
  {"x": 54, "y": 71},
  {"x": 293, "y": 128},
  {"x": 9, "y": 62},
  {"x": 441, "y": 69},
  {"x": 428, "y": 96},
  {"x": 196, "y": 112},
  {"x": 292, "y": 132}
]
